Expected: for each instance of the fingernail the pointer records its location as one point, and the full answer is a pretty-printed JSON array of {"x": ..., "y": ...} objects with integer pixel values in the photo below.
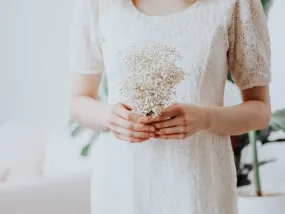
[{"x": 152, "y": 129}]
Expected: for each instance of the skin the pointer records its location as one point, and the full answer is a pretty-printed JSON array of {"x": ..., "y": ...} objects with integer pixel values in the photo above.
[
  {"x": 178, "y": 121},
  {"x": 162, "y": 7},
  {"x": 183, "y": 120},
  {"x": 99, "y": 116}
]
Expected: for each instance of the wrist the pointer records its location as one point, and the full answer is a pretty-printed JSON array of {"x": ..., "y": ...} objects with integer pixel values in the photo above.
[
  {"x": 107, "y": 118},
  {"x": 207, "y": 117}
]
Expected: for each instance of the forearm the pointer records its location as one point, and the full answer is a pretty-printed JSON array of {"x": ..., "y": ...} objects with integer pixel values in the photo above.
[
  {"x": 239, "y": 119},
  {"x": 90, "y": 113}
]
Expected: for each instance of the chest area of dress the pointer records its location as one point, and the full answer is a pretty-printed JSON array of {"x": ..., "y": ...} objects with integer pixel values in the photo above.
[{"x": 195, "y": 39}]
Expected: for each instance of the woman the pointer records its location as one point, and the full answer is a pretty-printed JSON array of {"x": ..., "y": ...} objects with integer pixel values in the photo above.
[{"x": 181, "y": 161}]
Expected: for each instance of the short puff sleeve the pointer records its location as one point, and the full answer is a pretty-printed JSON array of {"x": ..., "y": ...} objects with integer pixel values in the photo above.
[
  {"x": 85, "y": 47},
  {"x": 249, "y": 45}
]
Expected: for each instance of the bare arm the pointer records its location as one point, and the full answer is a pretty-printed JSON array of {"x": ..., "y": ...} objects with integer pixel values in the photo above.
[
  {"x": 84, "y": 107},
  {"x": 253, "y": 114},
  {"x": 182, "y": 120},
  {"x": 87, "y": 62},
  {"x": 91, "y": 113}
]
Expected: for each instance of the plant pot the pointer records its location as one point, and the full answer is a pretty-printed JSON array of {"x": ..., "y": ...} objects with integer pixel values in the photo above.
[{"x": 268, "y": 204}]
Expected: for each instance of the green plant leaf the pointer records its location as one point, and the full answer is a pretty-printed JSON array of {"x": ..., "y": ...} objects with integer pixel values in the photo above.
[
  {"x": 253, "y": 141},
  {"x": 85, "y": 150},
  {"x": 229, "y": 78},
  {"x": 245, "y": 169},
  {"x": 266, "y": 5},
  {"x": 77, "y": 130},
  {"x": 103, "y": 89}
]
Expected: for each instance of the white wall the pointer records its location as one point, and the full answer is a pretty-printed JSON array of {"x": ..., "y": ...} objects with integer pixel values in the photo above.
[
  {"x": 34, "y": 59},
  {"x": 277, "y": 34},
  {"x": 34, "y": 74}
]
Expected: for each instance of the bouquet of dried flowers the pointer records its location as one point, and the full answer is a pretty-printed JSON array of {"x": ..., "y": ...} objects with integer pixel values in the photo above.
[{"x": 150, "y": 79}]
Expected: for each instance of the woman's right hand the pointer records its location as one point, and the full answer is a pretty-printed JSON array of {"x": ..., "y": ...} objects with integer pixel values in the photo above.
[{"x": 125, "y": 124}]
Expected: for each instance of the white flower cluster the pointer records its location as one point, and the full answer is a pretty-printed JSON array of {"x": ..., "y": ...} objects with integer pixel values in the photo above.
[{"x": 150, "y": 80}]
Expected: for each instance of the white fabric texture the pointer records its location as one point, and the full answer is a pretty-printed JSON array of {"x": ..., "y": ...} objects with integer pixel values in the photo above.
[{"x": 191, "y": 176}]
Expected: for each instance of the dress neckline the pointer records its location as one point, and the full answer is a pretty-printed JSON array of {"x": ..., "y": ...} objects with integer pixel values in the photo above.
[{"x": 167, "y": 16}]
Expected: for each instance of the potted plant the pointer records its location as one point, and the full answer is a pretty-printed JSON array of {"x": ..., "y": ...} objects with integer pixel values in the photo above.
[
  {"x": 240, "y": 142},
  {"x": 258, "y": 201}
]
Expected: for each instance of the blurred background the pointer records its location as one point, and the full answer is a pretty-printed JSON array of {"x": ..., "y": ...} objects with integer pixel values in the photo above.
[{"x": 40, "y": 162}]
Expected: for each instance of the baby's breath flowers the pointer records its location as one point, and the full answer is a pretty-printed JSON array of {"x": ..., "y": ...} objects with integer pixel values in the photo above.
[{"x": 150, "y": 79}]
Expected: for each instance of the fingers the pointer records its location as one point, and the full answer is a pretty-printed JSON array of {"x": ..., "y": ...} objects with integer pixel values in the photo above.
[
  {"x": 178, "y": 132},
  {"x": 131, "y": 134},
  {"x": 176, "y": 121},
  {"x": 168, "y": 113},
  {"x": 172, "y": 130},
  {"x": 118, "y": 121},
  {"x": 128, "y": 139},
  {"x": 173, "y": 136},
  {"x": 122, "y": 111},
  {"x": 124, "y": 124}
]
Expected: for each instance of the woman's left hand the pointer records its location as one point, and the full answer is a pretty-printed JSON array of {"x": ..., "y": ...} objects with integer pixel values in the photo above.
[{"x": 179, "y": 121}]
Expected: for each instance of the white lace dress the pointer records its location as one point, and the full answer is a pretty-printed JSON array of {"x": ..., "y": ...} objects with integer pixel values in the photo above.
[{"x": 191, "y": 176}]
